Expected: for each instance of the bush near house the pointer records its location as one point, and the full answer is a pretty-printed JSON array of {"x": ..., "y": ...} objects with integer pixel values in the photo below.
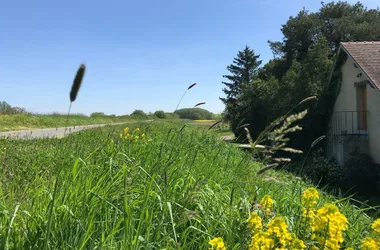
[{"x": 360, "y": 175}]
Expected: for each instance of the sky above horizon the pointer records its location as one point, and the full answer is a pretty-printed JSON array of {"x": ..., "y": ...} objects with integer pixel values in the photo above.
[{"x": 139, "y": 54}]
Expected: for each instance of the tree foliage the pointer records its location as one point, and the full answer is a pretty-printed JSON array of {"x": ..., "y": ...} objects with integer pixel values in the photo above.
[
  {"x": 7, "y": 109},
  {"x": 97, "y": 114},
  {"x": 243, "y": 70},
  {"x": 139, "y": 114},
  {"x": 160, "y": 114},
  {"x": 194, "y": 114},
  {"x": 301, "y": 67}
]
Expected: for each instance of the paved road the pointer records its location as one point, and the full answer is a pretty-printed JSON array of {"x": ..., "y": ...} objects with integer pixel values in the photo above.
[{"x": 49, "y": 132}]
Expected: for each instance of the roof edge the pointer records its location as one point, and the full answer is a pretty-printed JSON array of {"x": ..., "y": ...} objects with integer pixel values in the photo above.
[{"x": 341, "y": 45}]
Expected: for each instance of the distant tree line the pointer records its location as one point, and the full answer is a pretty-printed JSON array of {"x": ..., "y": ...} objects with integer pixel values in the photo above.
[
  {"x": 194, "y": 113},
  {"x": 7, "y": 109}
]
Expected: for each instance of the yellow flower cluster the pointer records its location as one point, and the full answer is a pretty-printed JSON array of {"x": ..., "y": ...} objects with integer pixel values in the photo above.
[
  {"x": 325, "y": 228},
  {"x": 267, "y": 203},
  {"x": 277, "y": 233},
  {"x": 217, "y": 244},
  {"x": 4, "y": 150},
  {"x": 309, "y": 200},
  {"x": 254, "y": 222},
  {"x": 370, "y": 244},
  {"x": 376, "y": 226},
  {"x": 262, "y": 240},
  {"x": 134, "y": 135},
  {"x": 310, "y": 197},
  {"x": 328, "y": 226},
  {"x": 373, "y": 243}
]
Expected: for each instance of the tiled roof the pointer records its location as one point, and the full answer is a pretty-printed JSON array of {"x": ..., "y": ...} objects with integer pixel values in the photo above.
[{"x": 367, "y": 57}]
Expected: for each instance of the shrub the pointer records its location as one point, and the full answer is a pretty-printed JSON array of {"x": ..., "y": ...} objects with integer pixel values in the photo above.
[
  {"x": 139, "y": 114},
  {"x": 97, "y": 114},
  {"x": 358, "y": 175},
  {"x": 171, "y": 116},
  {"x": 194, "y": 114},
  {"x": 321, "y": 170},
  {"x": 361, "y": 174},
  {"x": 160, "y": 114}
]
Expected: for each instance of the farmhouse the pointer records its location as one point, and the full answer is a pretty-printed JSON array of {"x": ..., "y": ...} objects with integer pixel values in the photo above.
[{"x": 355, "y": 123}]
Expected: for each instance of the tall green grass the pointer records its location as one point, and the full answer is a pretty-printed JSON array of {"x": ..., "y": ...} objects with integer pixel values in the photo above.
[{"x": 175, "y": 189}]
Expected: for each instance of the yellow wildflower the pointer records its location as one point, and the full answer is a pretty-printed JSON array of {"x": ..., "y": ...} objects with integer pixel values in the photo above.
[
  {"x": 370, "y": 244},
  {"x": 376, "y": 226},
  {"x": 137, "y": 129},
  {"x": 266, "y": 202},
  {"x": 297, "y": 243},
  {"x": 328, "y": 226},
  {"x": 217, "y": 243},
  {"x": 308, "y": 213},
  {"x": 149, "y": 140},
  {"x": 121, "y": 135},
  {"x": 279, "y": 229},
  {"x": 350, "y": 248},
  {"x": 310, "y": 197},
  {"x": 142, "y": 135},
  {"x": 137, "y": 137},
  {"x": 126, "y": 130},
  {"x": 261, "y": 241},
  {"x": 254, "y": 222}
]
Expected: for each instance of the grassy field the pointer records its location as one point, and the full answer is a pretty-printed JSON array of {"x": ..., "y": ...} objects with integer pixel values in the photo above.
[
  {"x": 152, "y": 186},
  {"x": 26, "y": 121}
]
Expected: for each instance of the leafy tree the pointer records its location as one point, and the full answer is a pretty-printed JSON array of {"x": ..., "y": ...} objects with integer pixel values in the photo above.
[
  {"x": 243, "y": 70},
  {"x": 139, "y": 114},
  {"x": 171, "y": 115},
  {"x": 6, "y": 108},
  {"x": 194, "y": 114},
  {"x": 301, "y": 68},
  {"x": 254, "y": 108},
  {"x": 97, "y": 114},
  {"x": 160, "y": 114}
]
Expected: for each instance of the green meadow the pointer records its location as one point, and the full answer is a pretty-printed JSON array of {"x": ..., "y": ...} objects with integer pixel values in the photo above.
[
  {"x": 25, "y": 121},
  {"x": 157, "y": 185}
]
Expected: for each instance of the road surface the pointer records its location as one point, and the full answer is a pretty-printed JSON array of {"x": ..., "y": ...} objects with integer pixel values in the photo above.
[{"x": 49, "y": 132}]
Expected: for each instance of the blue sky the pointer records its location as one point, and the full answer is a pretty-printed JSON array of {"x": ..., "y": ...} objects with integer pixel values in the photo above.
[{"x": 139, "y": 54}]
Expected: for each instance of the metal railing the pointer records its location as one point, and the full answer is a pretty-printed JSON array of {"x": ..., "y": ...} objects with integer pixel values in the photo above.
[{"x": 344, "y": 123}]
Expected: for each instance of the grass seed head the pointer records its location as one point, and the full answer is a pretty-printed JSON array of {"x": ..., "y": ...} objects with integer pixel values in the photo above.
[
  {"x": 77, "y": 82},
  {"x": 310, "y": 98},
  {"x": 199, "y": 104},
  {"x": 192, "y": 85}
]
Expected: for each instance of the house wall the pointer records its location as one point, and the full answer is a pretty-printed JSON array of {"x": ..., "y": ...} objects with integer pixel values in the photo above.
[
  {"x": 347, "y": 101},
  {"x": 373, "y": 121}
]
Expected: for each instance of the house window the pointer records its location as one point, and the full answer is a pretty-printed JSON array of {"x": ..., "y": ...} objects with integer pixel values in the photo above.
[{"x": 361, "y": 101}]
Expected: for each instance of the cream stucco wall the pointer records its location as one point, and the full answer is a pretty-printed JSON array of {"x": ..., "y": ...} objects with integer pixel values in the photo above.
[
  {"x": 373, "y": 121},
  {"x": 347, "y": 101}
]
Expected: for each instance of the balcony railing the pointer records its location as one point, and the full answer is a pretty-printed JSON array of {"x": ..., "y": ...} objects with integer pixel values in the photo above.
[{"x": 345, "y": 123}]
